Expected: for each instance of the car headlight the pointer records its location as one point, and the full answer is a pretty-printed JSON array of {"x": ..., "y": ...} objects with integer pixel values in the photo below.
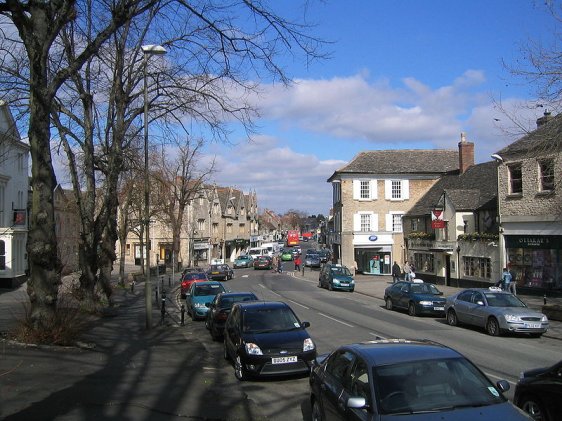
[
  {"x": 512, "y": 318},
  {"x": 308, "y": 345},
  {"x": 253, "y": 349},
  {"x": 336, "y": 281},
  {"x": 544, "y": 318},
  {"x": 426, "y": 303},
  {"x": 199, "y": 305}
]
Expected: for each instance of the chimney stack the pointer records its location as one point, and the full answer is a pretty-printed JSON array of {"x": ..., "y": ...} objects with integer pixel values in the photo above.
[
  {"x": 544, "y": 119},
  {"x": 466, "y": 154}
]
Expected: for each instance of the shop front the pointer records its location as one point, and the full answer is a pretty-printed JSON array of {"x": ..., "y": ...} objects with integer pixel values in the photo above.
[
  {"x": 535, "y": 260},
  {"x": 200, "y": 253},
  {"x": 373, "y": 254}
]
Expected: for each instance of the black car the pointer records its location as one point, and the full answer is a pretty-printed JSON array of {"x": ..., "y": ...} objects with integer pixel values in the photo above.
[
  {"x": 219, "y": 309},
  {"x": 400, "y": 379},
  {"x": 539, "y": 392},
  {"x": 221, "y": 272},
  {"x": 324, "y": 255},
  {"x": 266, "y": 338},
  {"x": 417, "y": 297}
]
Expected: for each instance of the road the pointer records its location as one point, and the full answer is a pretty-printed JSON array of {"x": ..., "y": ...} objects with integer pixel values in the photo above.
[{"x": 340, "y": 317}]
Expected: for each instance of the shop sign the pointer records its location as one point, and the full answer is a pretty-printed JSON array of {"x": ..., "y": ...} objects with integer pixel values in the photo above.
[
  {"x": 533, "y": 241},
  {"x": 373, "y": 238},
  {"x": 437, "y": 220},
  {"x": 200, "y": 246}
]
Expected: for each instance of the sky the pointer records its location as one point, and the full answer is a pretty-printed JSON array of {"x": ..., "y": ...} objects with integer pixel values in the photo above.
[{"x": 403, "y": 74}]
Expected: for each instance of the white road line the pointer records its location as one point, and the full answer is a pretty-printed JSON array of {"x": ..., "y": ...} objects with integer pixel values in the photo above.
[
  {"x": 299, "y": 304},
  {"x": 335, "y": 320}
]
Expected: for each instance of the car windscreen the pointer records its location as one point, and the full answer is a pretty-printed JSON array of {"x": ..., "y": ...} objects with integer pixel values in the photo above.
[
  {"x": 270, "y": 320},
  {"x": 340, "y": 271},
  {"x": 431, "y": 386},
  {"x": 503, "y": 300},
  {"x": 192, "y": 276},
  {"x": 205, "y": 290},
  {"x": 425, "y": 289},
  {"x": 228, "y": 302}
]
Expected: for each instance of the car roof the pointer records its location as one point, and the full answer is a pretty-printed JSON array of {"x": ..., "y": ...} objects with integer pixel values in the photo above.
[
  {"x": 486, "y": 290},
  {"x": 392, "y": 351},
  {"x": 254, "y": 305}
]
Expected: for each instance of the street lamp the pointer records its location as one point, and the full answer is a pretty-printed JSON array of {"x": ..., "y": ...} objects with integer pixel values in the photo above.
[
  {"x": 148, "y": 50},
  {"x": 503, "y": 258}
]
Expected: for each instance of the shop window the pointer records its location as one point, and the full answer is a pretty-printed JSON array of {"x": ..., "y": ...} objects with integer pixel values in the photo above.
[
  {"x": 546, "y": 175},
  {"x": 515, "y": 179},
  {"x": 424, "y": 262},
  {"x": 477, "y": 267}
]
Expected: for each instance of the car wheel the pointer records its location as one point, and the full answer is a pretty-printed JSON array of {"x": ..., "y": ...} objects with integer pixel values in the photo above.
[
  {"x": 239, "y": 369},
  {"x": 192, "y": 314},
  {"x": 492, "y": 327},
  {"x": 319, "y": 283},
  {"x": 533, "y": 407},
  {"x": 330, "y": 287},
  {"x": 412, "y": 310},
  {"x": 316, "y": 411},
  {"x": 452, "y": 318},
  {"x": 389, "y": 305},
  {"x": 207, "y": 324},
  {"x": 535, "y": 335},
  {"x": 214, "y": 335}
]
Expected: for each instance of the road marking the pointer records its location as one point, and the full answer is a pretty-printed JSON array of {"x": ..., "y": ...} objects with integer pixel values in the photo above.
[
  {"x": 336, "y": 320},
  {"x": 244, "y": 276},
  {"x": 378, "y": 337},
  {"x": 299, "y": 304}
]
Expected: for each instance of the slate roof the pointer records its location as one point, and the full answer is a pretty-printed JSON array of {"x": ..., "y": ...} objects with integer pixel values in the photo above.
[
  {"x": 475, "y": 189},
  {"x": 542, "y": 141},
  {"x": 402, "y": 161}
]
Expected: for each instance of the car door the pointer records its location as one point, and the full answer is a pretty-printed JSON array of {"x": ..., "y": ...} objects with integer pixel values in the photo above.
[
  {"x": 231, "y": 332},
  {"x": 338, "y": 369},
  {"x": 356, "y": 384},
  {"x": 463, "y": 306},
  {"x": 403, "y": 295},
  {"x": 480, "y": 310}
]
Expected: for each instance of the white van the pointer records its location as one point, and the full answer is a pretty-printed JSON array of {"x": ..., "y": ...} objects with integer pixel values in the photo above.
[{"x": 257, "y": 251}]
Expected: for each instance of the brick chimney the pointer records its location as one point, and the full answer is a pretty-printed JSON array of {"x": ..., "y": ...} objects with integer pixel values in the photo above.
[
  {"x": 544, "y": 119},
  {"x": 466, "y": 154}
]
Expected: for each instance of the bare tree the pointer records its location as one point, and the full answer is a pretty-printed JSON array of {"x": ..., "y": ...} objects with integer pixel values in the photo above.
[{"x": 177, "y": 181}]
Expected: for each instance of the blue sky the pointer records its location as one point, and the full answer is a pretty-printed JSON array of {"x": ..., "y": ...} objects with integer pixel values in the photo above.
[{"x": 403, "y": 74}]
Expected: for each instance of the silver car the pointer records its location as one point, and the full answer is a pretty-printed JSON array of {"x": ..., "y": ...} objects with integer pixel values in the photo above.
[{"x": 495, "y": 310}]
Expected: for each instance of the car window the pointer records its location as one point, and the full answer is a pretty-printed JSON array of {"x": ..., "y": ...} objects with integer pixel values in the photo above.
[
  {"x": 205, "y": 290},
  {"x": 360, "y": 381},
  {"x": 428, "y": 385},
  {"x": 503, "y": 300},
  {"x": 478, "y": 298},
  {"x": 465, "y": 296},
  {"x": 339, "y": 366}
]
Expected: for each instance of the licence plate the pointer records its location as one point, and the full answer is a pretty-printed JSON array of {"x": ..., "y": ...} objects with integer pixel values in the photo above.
[
  {"x": 344, "y": 285},
  {"x": 532, "y": 325},
  {"x": 214, "y": 273},
  {"x": 283, "y": 360},
  {"x": 439, "y": 308}
]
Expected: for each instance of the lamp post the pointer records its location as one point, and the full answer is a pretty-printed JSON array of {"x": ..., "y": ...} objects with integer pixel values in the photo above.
[
  {"x": 148, "y": 50},
  {"x": 503, "y": 258}
]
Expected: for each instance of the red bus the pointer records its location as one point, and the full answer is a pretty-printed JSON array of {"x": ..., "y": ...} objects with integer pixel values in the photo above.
[{"x": 292, "y": 238}]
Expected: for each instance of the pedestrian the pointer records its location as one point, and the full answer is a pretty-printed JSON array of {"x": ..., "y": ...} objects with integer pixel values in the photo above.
[
  {"x": 274, "y": 263},
  {"x": 297, "y": 263},
  {"x": 407, "y": 271},
  {"x": 513, "y": 283},
  {"x": 396, "y": 272},
  {"x": 279, "y": 266},
  {"x": 506, "y": 280}
]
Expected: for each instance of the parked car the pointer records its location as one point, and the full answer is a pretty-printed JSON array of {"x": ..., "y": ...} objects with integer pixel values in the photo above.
[
  {"x": 220, "y": 272},
  {"x": 263, "y": 262},
  {"x": 266, "y": 338},
  {"x": 188, "y": 278},
  {"x": 407, "y": 380},
  {"x": 495, "y": 310},
  {"x": 539, "y": 392},
  {"x": 417, "y": 297},
  {"x": 324, "y": 255},
  {"x": 335, "y": 276},
  {"x": 220, "y": 307},
  {"x": 198, "y": 295},
  {"x": 287, "y": 255},
  {"x": 244, "y": 261},
  {"x": 312, "y": 261}
]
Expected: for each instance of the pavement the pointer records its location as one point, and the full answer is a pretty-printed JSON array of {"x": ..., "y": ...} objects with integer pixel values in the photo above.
[{"x": 120, "y": 370}]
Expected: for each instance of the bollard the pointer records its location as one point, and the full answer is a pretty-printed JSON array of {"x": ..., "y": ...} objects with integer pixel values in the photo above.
[
  {"x": 163, "y": 311},
  {"x": 169, "y": 281},
  {"x": 156, "y": 291},
  {"x": 182, "y": 314},
  {"x": 133, "y": 286},
  {"x": 162, "y": 283},
  {"x": 544, "y": 298}
]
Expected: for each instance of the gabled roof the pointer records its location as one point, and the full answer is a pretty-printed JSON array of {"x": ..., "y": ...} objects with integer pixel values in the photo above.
[
  {"x": 475, "y": 189},
  {"x": 545, "y": 140},
  {"x": 402, "y": 161}
]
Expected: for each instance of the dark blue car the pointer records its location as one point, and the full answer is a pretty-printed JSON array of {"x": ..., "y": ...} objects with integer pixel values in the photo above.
[{"x": 417, "y": 297}]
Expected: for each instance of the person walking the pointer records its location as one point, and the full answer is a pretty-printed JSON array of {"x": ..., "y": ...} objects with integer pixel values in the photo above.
[
  {"x": 506, "y": 280},
  {"x": 297, "y": 263},
  {"x": 279, "y": 266},
  {"x": 407, "y": 271},
  {"x": 396, "y": 272}
]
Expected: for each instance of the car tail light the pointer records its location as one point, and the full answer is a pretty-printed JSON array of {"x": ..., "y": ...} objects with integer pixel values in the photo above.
[{"x": 184, "y": 284}]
